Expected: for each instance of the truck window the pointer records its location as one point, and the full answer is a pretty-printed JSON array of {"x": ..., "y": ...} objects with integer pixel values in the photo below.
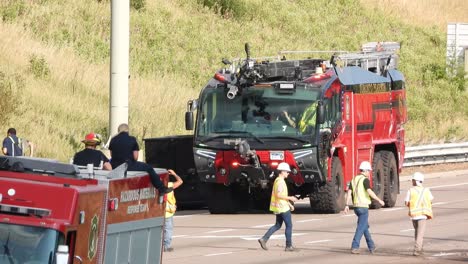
[
  {"x": 26, "y": 244},
  {"x": 260, "y": 111}
]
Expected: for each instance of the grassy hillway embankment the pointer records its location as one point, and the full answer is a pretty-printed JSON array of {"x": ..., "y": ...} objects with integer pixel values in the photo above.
[{"x": 54, "y": 59}]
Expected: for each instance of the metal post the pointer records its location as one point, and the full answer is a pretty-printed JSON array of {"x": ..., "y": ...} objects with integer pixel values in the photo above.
[
  {"x": 466, "y": 64},
  {"x": 119, "y": 73}
]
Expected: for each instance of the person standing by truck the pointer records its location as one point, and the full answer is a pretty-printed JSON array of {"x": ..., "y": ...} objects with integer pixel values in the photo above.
[
  {"x": 125, "y": 149},
  {"x": 419, "y": 201},
  {"x": 360, "y": 192},
  {"x": 281, "y": 207},
  {"x": 15, "y": 146},
  {"x": 171, "y": 208},
  {"x": 90, "y": 155}
]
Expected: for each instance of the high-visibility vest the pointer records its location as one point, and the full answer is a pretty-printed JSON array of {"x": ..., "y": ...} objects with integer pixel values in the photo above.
[
  {"x": 360, "y": 196},
  {"x": 308, "y": 118},
  {"x": 277, "y": 205},
  {"x": 420, "y": 202},
  {"x": 170, "y": 202}
]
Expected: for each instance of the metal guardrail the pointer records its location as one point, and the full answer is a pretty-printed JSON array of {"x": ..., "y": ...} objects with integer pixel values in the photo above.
[{"x": 436, "y": 154}]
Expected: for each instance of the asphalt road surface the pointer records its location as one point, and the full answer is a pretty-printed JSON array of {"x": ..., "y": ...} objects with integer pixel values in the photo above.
[{"x": 326, "y": 238}]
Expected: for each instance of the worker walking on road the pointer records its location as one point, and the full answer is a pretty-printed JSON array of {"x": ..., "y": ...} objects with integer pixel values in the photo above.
[
  {"x": 419, "y": 201},
  {"x": 281, "y": 207},
  {"x": 360, "y": 192},
  {"x": 171, "y": 208}
]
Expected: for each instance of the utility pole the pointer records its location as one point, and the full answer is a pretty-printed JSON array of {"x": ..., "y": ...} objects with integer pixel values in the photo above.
[{"x": 119, "y": 61}]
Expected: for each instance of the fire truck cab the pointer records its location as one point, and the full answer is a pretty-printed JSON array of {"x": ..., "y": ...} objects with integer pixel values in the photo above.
[
  {"x": 323, "y": 116},
  {"x": 55, "y": 213}
]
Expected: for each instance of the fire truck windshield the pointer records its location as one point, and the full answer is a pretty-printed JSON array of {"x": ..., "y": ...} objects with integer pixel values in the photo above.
[
  {"x": 27, "y": 245},
  {"x": 260, "y": 112}
]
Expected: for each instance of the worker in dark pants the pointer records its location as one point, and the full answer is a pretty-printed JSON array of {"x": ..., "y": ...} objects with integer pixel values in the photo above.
[{"x": 124, "y": 148}]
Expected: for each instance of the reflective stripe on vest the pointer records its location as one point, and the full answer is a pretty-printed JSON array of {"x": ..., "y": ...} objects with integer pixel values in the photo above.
[
  {"x": 360, "y": 196},
  {"x": 277, "y": 205},
  {"x": 170, "y": 202},
  {"x": 420, "y": 202}
]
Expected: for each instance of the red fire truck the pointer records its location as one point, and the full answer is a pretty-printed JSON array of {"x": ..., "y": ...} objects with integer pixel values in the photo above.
[
  {"x": 322, "y": 116},
  {"x": 52, "y": 212}
]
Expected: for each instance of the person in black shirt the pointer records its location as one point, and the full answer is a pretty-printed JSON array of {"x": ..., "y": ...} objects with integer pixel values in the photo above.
[
  {"x": 124, "y": 148},
  {"x": 90, "y": 155}
]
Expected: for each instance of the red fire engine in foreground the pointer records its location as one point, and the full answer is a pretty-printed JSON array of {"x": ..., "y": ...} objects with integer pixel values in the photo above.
[
  {"x": 52, "y": 212},
  {"x": 323, "y": 117}
]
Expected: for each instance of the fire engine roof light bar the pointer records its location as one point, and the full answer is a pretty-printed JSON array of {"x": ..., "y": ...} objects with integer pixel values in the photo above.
[{"x": 40, "y": 212}]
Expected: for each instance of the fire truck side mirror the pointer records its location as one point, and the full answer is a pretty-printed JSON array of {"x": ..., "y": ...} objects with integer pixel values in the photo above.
[
  {"x": 320, "y": 112},
  {"x": 61, "y": 257},
  {"x": 189, "y": 120}
]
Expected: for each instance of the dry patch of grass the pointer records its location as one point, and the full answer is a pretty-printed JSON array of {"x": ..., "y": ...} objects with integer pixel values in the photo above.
[{"x": 424, "y": 12}]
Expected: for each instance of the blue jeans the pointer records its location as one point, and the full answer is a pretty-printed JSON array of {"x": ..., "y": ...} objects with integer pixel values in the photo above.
[
  {"x": 280, "y": 218},
  {"x": 362, "y": 228},
  {"x": 168, "y": 227}
]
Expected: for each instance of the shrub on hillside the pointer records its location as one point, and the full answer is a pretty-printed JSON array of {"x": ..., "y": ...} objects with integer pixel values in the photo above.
[
  {"x": 10, "y": 10},
  {"x": 227, "y": 8},
  {"x": 138, "y": 4},
  {"x": 39, "y": 67},
  {"x": 10, "y": 89}
]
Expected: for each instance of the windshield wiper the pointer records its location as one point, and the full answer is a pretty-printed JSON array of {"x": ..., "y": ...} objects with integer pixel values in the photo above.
[
  {"x": 223, "y": 134},
  {"x": 6, "y": 250}
]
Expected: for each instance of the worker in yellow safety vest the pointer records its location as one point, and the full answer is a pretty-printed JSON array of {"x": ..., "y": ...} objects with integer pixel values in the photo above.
[
  {"x": 171, "y": 208},
  {"x": 280, "y": 205},
  {"x": 419, "y": 201},
  {"x": 308, "y": 118},
  {"x": 360, "y": 192}
]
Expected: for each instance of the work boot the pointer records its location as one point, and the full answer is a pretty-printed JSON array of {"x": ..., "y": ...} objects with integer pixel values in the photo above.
[
  {"x": 169, "y": 249},
  {"x": 291, "y": 249},
  {"x": 416, "y": 253},
  {"x": 372, "y": 250},
  {"x": 263, "y": 243},
  {"x": 355, "y": 251}
]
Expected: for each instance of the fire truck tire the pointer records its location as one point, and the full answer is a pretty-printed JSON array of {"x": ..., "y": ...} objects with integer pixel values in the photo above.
[
  {"x": 391, "y": 184},
  {"x": 329, "y": 198},
  {"x": 220, "y": 199},
  {"x": 378, "y": 173}
]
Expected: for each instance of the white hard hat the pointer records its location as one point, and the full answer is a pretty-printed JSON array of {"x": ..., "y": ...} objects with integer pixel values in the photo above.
[
  {"x": 417, "y": 176},
  {"x": 365, "y": 166},
  {"x": 283, "y": 166}
]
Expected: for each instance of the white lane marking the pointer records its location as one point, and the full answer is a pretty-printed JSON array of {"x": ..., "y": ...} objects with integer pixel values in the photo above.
[
  {"x": 407, "y": 230},
  {"x": 261, "y": 226},
  {"x": 449, "y": 185},
  {"x": 274, "y": 237},
  {"x": 308, "y": 220},
  {"x": 219, "y": 231},
  {"x": 182, "y": 216},
  {"x": 392, "y": 209},
  {"x": 444, "y": 254},
  {"x": 440, "y": 203},
  {"x": 318, "y": 241},
  {"x": 180, "y": 236},
  {"x": 218, "y": 254},
  {"x": 347, "y": 215}
]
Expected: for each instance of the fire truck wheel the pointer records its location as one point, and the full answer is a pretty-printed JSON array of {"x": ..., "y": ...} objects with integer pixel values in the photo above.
[
  {"x": 391, "y": 184},
  {"x": 377, "y": 179},
  {"x": 221, "y": 199},
  {"x": 329, "y": 198}
]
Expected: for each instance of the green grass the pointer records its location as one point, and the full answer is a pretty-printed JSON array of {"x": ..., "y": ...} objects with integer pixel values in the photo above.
[{"x": 62, "y": 55}]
